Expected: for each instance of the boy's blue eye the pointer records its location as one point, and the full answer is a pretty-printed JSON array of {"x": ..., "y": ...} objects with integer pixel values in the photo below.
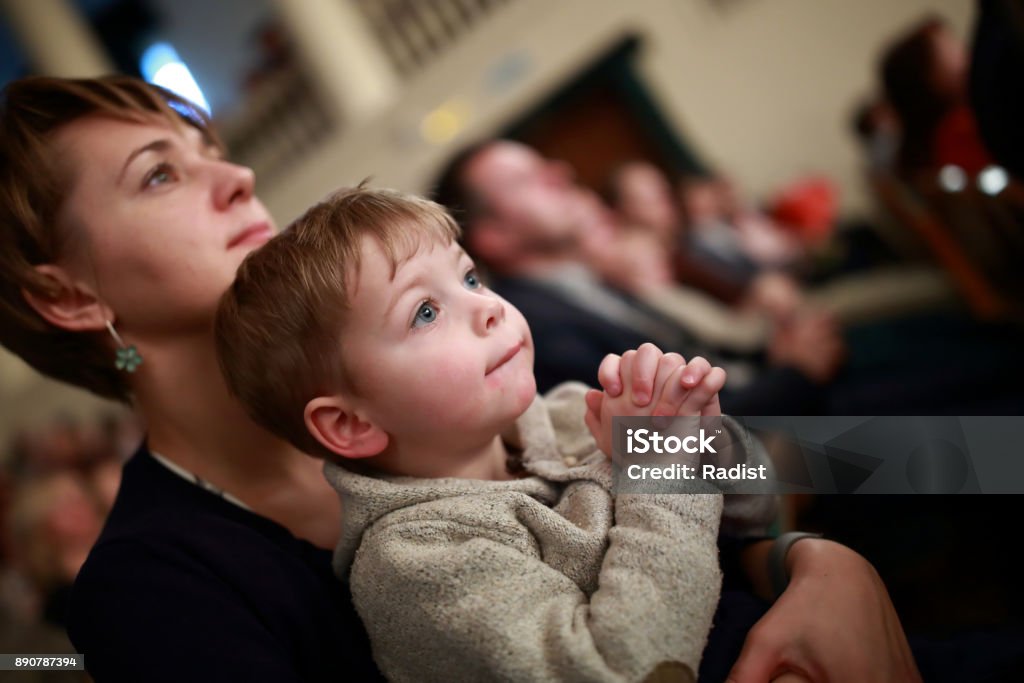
[
  {"x": 471, "y": 280},
  {"x": 426, "y": 314}
]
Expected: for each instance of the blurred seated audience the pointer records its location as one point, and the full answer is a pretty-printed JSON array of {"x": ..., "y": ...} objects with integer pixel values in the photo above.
[
  {"x": 534, "y": 228},
  {"x": 53, "y": 523},
  {"x": 57, "y": 484},
  {"x": 722, "y": 226},
  {"x": 642, "y": 250},
  {"x": 953, "y": 203},
  {"x": 529, "y": 224}
]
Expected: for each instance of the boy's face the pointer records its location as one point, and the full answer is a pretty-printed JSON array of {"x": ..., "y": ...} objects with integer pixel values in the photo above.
[{"x": 432, "y": 353}]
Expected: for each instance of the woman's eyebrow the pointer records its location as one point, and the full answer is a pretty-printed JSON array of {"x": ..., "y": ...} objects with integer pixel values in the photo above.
[{"x": 160, "y": 145}]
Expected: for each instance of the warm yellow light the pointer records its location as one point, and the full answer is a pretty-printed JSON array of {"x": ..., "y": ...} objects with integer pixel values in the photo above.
[{"x": 444, "y": 123}]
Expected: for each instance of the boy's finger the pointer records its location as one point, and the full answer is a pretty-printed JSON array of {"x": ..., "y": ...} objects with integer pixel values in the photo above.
[
  {"x": 698, "y": 398},
  {"x": 645, "y": 366},
  {"x": 625, "y": 372},
  {"x": 695, "y": 371},
  {"x": 594, "y": 425},
  {"x": 593, "y": 399},
  {"x": 667, "y": 365},
  {"x": 713, "y": 408},
  {"x": 671, "y": 395},
  {"x": 608, "y": 374}
]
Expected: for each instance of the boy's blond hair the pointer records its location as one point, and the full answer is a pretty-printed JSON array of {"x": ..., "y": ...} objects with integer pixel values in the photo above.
[{"x": 279, "y": 326}]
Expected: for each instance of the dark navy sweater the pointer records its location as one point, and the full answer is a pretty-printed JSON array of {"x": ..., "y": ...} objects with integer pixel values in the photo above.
[{"x": 185, "y": 586}]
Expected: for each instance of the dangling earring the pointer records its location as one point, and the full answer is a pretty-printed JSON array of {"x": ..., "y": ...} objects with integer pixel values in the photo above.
[{"x": 128, "y": 357}]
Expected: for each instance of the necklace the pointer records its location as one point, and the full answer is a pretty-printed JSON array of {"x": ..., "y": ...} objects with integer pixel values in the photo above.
[{"x": 195, "y": 479}]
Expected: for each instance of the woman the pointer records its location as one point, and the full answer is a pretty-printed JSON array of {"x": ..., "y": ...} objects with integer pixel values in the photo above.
[{"x": 121, "y": 226}]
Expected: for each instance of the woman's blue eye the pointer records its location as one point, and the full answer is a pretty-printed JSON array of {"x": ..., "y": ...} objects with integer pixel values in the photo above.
[
  {"x": 158, "y": 176},
  {"x": 471, "y": 280},
  {"x": 426, "y": 314}
]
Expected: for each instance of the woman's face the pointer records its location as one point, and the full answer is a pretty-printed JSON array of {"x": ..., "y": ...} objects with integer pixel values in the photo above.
[{"x": 157, "y": 221}]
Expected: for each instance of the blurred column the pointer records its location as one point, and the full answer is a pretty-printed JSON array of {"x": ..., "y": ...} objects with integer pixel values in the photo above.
[
  {"x": 344, "y": 59},
  {"x": 57, "y": 38}
]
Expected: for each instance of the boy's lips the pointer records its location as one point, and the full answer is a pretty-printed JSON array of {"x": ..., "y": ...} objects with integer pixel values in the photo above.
[
  {"x": 509, "y": 355},
  {"x": 257, "y": 233}
]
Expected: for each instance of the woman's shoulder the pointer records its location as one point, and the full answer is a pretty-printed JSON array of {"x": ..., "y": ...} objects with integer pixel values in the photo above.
[
  {"x": 161, "y": 518},
  {"x": 178, "y": 567},
  {"x": 155, "y": 504}
]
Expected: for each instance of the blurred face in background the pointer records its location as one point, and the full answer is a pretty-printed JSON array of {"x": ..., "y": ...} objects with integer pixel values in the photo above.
[
  {"x": 702, "y": 200},
  {"x": 54, "y": 524},
  {"x": 645, "y": 199},
  {"x": 533, "y": 199},
  {"x": 950, "y": 63}
]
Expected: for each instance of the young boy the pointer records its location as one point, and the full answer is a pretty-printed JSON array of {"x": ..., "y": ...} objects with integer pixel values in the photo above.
[{"x": 481, "y": 537}]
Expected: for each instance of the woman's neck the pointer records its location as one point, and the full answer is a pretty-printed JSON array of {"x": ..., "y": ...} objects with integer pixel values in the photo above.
[{"x": 194, "y": 421}]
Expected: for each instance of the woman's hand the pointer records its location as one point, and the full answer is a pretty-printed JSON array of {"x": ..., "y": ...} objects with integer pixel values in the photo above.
[{"x": 834, "y": 622}]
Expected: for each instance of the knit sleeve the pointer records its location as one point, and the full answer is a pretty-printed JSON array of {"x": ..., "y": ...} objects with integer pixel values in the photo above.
[
  {"x": 444, "y": 601},
  {"x": 749, "y": 514}
]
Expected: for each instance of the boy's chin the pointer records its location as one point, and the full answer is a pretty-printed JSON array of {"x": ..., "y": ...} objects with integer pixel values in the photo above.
[{"x": 527, "y": 392}]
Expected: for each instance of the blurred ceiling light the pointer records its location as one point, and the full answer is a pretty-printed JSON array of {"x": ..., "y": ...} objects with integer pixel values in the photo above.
[
  {"x": 444, "y": 123},
  {"x": 952, "y": 178},
  {"x": 993, "y": 180},
  {"x": 160, "y": 64}
]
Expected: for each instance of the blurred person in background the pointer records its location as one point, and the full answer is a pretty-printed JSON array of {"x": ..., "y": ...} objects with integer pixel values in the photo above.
[
  {"x": 637, "y": 258},
  {"x": 643, "y": 197},
  {"x": 877, "y": 128},
  {"x": 924, "y": 75},
  {"x": 53, "y": 523}
]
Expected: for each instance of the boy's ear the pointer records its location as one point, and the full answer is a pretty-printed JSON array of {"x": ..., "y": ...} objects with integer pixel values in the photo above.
[
  {"x": 339, "y": 429},
  {"x": 72, "y": 305}
]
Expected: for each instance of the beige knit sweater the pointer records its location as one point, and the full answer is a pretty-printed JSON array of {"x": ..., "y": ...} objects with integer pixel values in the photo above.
[{"x": 544, "y": 578}]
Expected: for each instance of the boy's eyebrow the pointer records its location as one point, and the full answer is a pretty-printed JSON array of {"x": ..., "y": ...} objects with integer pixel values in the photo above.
[
  {"x": 458, "y": 255},
  {"x": 401, "y": 293}
]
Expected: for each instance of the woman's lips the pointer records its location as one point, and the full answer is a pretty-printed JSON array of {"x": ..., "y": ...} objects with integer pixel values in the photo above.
[
  {"x": 507, "y": 357},
  {"x": 258, "y": 233}
]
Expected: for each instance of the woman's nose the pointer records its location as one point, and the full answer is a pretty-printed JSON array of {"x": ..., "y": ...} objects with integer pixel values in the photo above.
[{"x": 233, "y": 183}]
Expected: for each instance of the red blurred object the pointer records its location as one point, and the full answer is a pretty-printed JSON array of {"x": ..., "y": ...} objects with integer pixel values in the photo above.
[
  {"x": 958, "y": 142},
  {"x": 808, "y": 207}
]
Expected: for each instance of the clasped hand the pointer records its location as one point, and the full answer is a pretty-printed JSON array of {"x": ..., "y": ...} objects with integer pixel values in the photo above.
[{"x": 647, "y": 382}]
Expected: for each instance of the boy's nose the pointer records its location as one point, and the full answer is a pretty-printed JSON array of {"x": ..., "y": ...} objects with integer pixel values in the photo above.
[{"x": 489, "y": 315}]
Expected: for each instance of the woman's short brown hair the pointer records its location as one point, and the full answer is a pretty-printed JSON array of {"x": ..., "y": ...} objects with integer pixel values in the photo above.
[{"x": 33, "y": 188}]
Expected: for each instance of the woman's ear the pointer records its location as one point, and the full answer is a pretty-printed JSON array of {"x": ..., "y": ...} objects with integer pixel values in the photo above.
[
  {"x": 72, "y": 305},
  {"x": 341, "y": 430}
]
